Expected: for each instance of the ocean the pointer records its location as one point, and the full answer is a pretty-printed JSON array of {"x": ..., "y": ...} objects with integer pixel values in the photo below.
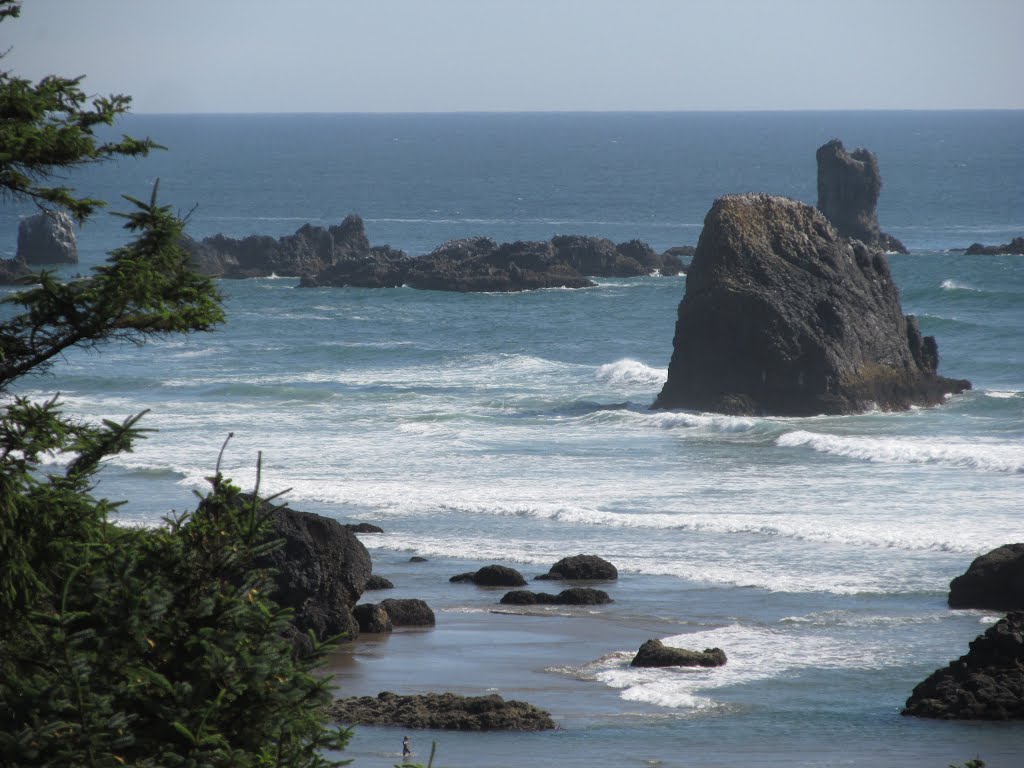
[{"x": 515, "y": 428}]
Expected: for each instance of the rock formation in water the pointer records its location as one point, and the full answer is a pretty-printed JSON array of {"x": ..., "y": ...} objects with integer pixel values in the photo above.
[
  {"x": 321, "y": 571},
  {"x": 444, "y": 711},
  {"x": 783, "y": 316},
  {"x": 848, "y": 189},
  {"x": 571, "y": 596},
  {"x": 47, "y": 238},
  {"x": 655, "y": 653},
  {"x": 1015, "y": 247},
  {"x": 581, "y": 568},
  {"x": 994, "y": 581},
  {"x": 492, "y": 576},
  {"x": 13, "y": 271},
  {"x": 408, "y": 612},
  {"x": 987, "y": 683}
]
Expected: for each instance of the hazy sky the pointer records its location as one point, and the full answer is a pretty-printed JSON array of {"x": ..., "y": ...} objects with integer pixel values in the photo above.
[{"x": 480, "y": 55}]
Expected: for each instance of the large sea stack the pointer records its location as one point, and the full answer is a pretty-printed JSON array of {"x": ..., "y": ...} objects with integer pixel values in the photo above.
[
  {"x": 47, "y": 238},
  {"x": 848, "y": 189},
  {"x": 784, "y": 316}
]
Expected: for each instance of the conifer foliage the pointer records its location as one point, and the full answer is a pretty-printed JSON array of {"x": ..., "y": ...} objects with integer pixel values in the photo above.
[{"x": 122, "y": 646}]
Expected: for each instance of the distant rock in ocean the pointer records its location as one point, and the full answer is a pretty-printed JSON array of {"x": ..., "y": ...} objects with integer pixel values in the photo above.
[
  {"x": 986, "y": 683},
  {"x": 1015, "y": 246},
  {"x": 47, "y": 238},
  {"x": 782, "y": 315},
  {"x": 342, "y": 257},
  {"x": 13, "y": 271},
  {"x": 655, "y": 653},
  {"x": 848, "y": 189}
]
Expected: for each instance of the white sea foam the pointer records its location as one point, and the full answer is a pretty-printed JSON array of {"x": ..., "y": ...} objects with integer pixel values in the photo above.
[
  {"x": 999, "y": 395},
  {"x": 953, "y": 285},
  {"x": 989, "y": 456},
  {"x": 630, "y": 372},
  {"x": 714, "y": 421}
]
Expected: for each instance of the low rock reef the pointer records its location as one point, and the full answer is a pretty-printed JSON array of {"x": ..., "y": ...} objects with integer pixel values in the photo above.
[
  {"x": 784, "y": 316},
  {"x": 987, "y": 683},
  {"x": 848, "y": 189},
  {"x": 994, "y": 581},
  {"x": 341, "y": 256},
  {"x": 571, "y": 596},
  {"x": 581, "y": 568},
  {"x": 445, "y": 711},
  {"x": 1014, "y": 247},
  {"x": 655, "y": 653}
]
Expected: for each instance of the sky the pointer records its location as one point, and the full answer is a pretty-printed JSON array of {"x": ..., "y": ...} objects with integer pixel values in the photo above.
[{"x": 227, "y": 56}]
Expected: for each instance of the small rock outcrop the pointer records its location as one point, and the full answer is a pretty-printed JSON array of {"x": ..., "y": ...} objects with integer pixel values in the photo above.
[
  {"x": 1014, "y": 247},
  {"x": 492, "y": 576},
  {"x": 408, "y": 612},
  {"x": 372, "y": 618},
  {"x": 443, "y": 711},
  {"x": 13, "y": 271},
  {"x": 364, "y": 528},
  {"x": 581, "y": 568},
  {"x": 783, "y": 316},
  {"x": 47, "y": 238},
  {"x": 571, "y": 596},
  {"x": 321, "y": 571},
  {"x": 378, "y": 582},
  {"x": 848, "y": 189},
  {"x": 655, "y": 653},
  {"x": 994, "y": 581},
  {"x": 987, "y": 683}
]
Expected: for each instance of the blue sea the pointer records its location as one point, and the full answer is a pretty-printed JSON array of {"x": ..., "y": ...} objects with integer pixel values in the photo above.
[{"x": 515, "y": 428}]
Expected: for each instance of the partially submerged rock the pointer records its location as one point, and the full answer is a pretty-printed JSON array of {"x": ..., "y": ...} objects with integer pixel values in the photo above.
[
  {"x": 372, "y": 618},
  {"x": 571, "y": 596},
  {"x": 987, "y": 683},
  {"x": 408, "y": 612},
  {"x": 47, "y": 238},
  {"x": 378, "y": 582},
  {"x": 1015, "y": 246},
  {"x": 994, "y": 581},
  {"x": 848, "y": 187},
  {"x": 783, "y": 316},
  {"x": 13, "y": 271},
  {"x": 581, "y": 568},
  {"x": 655, "y": 653},
  {"x": 492, "y": 576},
  {"x": 443, "y": 711},
  {"x": 364, "y": 528}
]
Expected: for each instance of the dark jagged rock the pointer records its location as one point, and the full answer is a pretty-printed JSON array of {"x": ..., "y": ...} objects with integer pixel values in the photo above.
[
  {"x": 783, "y": 316},
  {"x": 378, "y": 582},
  {"x": 310, "y": 250},
  {"x": 655, "y": 653},
  {"x": 1015, "y": 246},
  {"x": 321, "y": 571},
  {"x": 597, "y": 256},
  {"x": 443, "y": 711},
  {"x": 13, "y": 271},
  {"x": 47, "y": 238},
  {"x": 848, "y": 189},
  {"x": 987, "y": 683},
  {"x": 581, "y": 568},
  {"x": 994, "y": 581},
  {"x": 372, "y": 618},
  {"x": 364, "y": 528},
  {"x": 417, "y": 559},
  {"x": 382, "y": 267},
  {"x": 408, "y": 612},
  {"x": 571, "y": 596},
  {"x": 492, "y": 576}
]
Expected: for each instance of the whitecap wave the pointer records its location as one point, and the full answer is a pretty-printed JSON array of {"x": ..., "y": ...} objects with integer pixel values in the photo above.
[
  {"x": 629, "y": 372},
  {"x": 953, "y": 285},
  {"x": 985, "y": 456}
]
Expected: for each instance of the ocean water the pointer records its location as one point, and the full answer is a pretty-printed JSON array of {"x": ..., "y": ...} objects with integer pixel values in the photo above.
[{"x": 515, "y": 428}]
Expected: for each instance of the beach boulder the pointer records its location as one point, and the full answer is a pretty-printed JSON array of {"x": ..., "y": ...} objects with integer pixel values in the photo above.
[
  {"x": 581, "y": 568},
  {"x": 47, "y": 238},
  {"x": 987, "y": 683},
  {"x": 372, "y": 618},
  {"x": 378, "y": 582},
  {"x": 441, "y": 711},
  {"x": 655, "y": 653},
  {"x": 783, "y": 316},
  {"x": 492, "y": 576},
  {"x": 994, "y": 581},
  {"x": 320, "y": 571},
  {"x": 848, "y": 187},
  {"x": 408, "y": 612},
  {"x": 571, "y": 596}
]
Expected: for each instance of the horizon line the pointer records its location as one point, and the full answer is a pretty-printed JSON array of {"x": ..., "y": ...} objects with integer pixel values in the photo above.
[{"x": 587, "y": 111}]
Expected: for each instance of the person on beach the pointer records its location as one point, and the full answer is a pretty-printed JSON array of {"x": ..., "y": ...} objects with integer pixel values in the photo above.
[{"x": 406, "y": 749}]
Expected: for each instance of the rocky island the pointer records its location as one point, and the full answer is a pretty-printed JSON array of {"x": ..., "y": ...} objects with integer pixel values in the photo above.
[{"x": 782, "y": 315}]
